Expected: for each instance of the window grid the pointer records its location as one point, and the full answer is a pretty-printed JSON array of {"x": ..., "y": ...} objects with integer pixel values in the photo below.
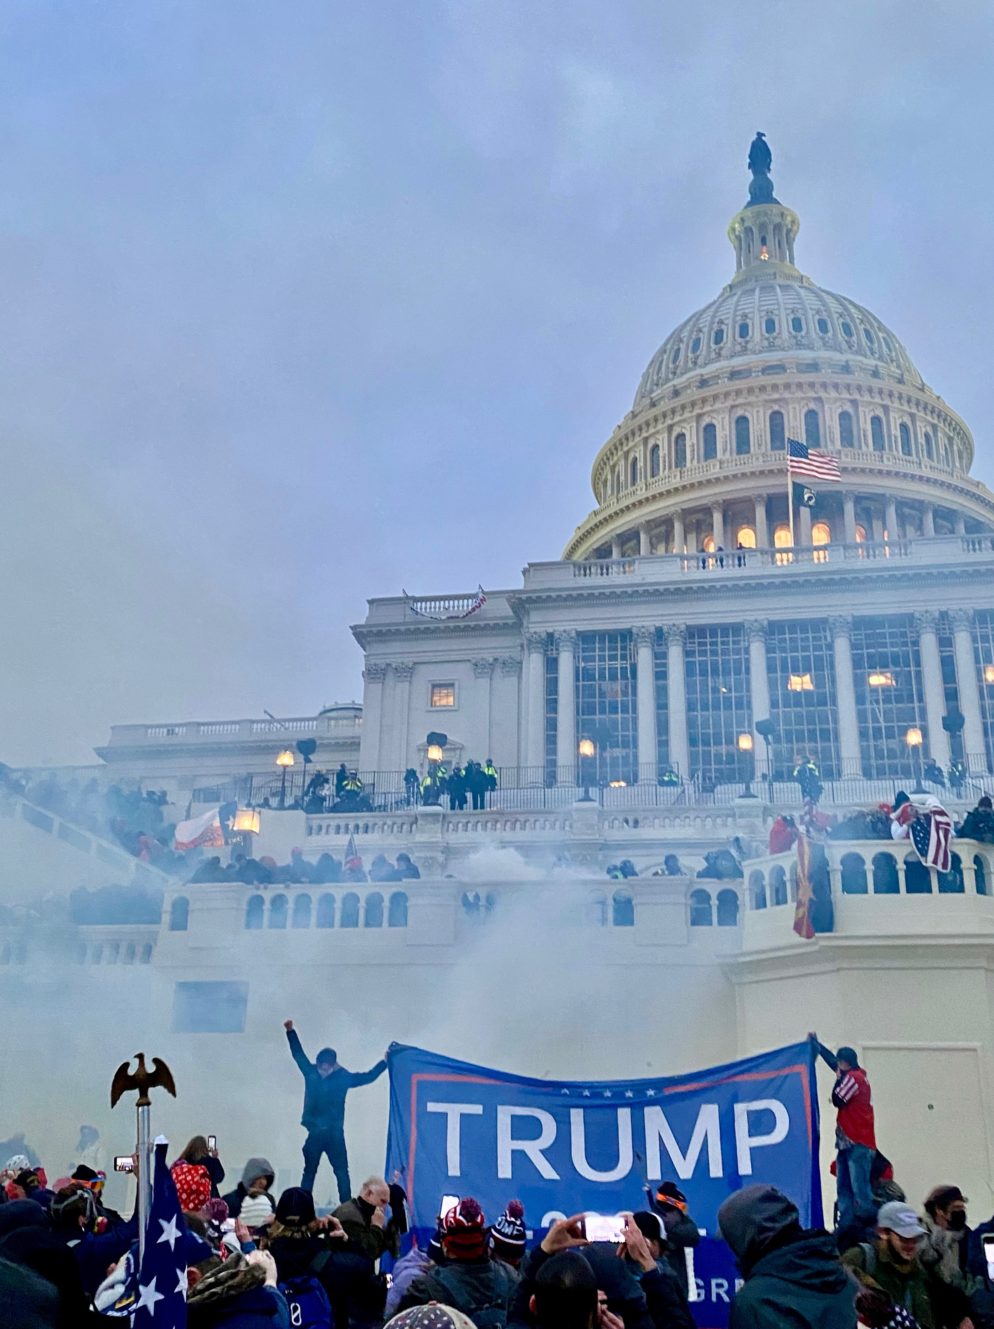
[
  {"x": 718, "y": 704},
  {"x": 888, "y": 646},
  {"x": 846, "y": 436},
  {"x": 710, "y": 442},
  {"x": 551, "y": 710},
  {"x": 605, "y": 702},
  {"x": 805, "y": 718},
  {"x": 983, "y": 641},
  {"x": 742, "y": 439},
  {"x": 443, "y": 696},
  {"x": 778, "y": 434},
  {"x": 660, "y": 666}
]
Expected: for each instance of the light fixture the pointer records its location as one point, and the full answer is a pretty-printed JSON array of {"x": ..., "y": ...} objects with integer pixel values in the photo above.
[
  {"x": 434, "y": 752},
  {"x": 618, "y": 784},
  {"x": 745, "y": 742},
  {"x": 800, "y": 683},
  {"x": 247, "y": 819},
  {"x": 285, "y": 758},
  {"x": 989, "y": 673},
  {"x": 586, "y": 747},
  {"x": 913, "y": 738},
  {"x": 881, "y": 678}
]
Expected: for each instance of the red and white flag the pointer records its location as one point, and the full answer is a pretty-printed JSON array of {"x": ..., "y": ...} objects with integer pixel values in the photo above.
[
  {"x": 931, "y": 833},
  {"x": 204, "y": 830},
  {"x": 802, "y": 909},
  {"x": 353, "y": 859}
]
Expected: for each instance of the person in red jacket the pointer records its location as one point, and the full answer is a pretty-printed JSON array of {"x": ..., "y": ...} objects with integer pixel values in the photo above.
[{"x": 855, "y": 1138}]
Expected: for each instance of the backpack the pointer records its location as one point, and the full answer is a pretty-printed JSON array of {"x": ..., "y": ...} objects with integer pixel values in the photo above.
[
  {"x": 306, "y": 1298},
  {"x": 494, "y": 1314}
]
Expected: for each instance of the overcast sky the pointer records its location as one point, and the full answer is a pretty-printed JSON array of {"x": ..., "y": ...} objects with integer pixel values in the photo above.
[{"x": 304, "y": 301}]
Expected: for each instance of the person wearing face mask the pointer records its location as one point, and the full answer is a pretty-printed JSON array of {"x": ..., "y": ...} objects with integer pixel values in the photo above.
[
  {"x": 946, "y": 1241},
  {"x": 892, "y": 1265}
]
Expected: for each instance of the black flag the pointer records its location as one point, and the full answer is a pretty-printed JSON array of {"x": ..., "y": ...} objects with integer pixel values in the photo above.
[{"x": 803, "y": 496}]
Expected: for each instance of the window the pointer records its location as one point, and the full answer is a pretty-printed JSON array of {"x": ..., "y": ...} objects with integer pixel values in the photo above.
[
  {"x": 860, "y": 534},
  {"x": 746, "y": 537},
  {"x": 210, "y": 1008},
  {"x": 821, "y": 534},
  {"x": 846, "y": 328},
  {"x": 812, "y": 429},
  {"x": 397, "y": 914},
  {"x": 929, "y": 446},
  {"x": 822, "y": 325},
  {"x": 350, "y": 910},
  {"x": 742, "y": 440},
  {"x": 777, "y": 434},
  {"x": 680, "y": 451},
  {"x": 695, "y": 345},
  {"x": 443, "y": 695},
  {"x": 255, "y": 912},
  {"x": 870, "y": 339},
  {"x": 801, "y": 664},
  {"x": 796, "y": 323},
  {"x": 622, "y": 910},
  {"x": 846, "y": 437},
  {"x": 904, "y": 434},
  {"x": 278, "y": 908},
  {"x": 633, "y": 471},
  {"x": 782, "y": 540},
  {"x": 700, "y": 909},
  {"x": 617, "y": 479},
  {"x": 326, "y": 911},
  {"x": 179, "y": 914},
  {"x": 675, "y": 355},
  {"x": 889, "y": 693},
  {"x": 728, "y": 908},
  {"x": 606, "y": 683},
  {"x": 877, "y": 433},
  {"x": 743, "y": 331},
  {"x": 302, "y": 911},
  {"x": 374, "y": 910},
  {"x": 718, "y": 336},
  {"x": 769, "y": 326},
  {"x": 718, "y": 701},
  {"x": 710, "y": 442},
  {"x": 654, "y": 460}
]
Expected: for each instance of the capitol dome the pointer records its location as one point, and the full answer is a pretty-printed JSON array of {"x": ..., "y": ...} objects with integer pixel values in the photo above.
[{"x": 700, "y": 460}]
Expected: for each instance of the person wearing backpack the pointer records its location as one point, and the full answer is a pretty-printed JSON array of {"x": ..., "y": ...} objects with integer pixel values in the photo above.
[{"x": 471, "y": 1281}]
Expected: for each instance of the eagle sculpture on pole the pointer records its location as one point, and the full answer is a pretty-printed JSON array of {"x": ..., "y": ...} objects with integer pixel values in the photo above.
[{"x": 143, "y": 1079}]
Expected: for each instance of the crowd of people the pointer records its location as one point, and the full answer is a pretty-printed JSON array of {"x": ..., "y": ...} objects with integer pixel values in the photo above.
[{"x": 299, "y": 871}]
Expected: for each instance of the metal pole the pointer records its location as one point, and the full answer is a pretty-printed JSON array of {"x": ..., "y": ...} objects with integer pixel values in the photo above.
[{"x": 144, "y": 1174}]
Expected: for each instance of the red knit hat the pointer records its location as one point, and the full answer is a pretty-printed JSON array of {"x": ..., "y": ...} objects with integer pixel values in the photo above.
[
  {"x": 465, "y": 1231},
  {"x": 193, "y": 1185}
]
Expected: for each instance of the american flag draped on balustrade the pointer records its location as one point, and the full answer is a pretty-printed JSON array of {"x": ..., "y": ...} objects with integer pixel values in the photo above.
[{"x": 810, "y": 463}]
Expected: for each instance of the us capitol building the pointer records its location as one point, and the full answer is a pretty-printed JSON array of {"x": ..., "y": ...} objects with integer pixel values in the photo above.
[{"x": 648, "y": 694}]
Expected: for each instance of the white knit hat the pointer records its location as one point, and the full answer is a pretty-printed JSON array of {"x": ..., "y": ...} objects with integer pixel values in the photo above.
[{"x": 257, "y": 1211}]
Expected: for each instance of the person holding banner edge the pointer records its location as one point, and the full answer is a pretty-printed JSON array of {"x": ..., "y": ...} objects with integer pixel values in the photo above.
[{"x": 855, "y": 1136}]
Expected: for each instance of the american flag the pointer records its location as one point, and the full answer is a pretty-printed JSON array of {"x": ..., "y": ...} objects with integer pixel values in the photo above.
[
  {"x": 353, "y": 859},
  {"x": 931, "y": 834},
  {"x": 802, "y": 910},
  {"x": 802, "y": 460},
  {"x": 162, "y": 1284}
]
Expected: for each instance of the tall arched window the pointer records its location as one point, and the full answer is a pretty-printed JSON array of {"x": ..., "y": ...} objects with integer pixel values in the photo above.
[
  {"x": 633, "y": 471},
  {"x": 326, "y": 911},
  {"x": 302, "y": 911},
  {"x": 929, "y": 446},
  {"x": 781, "y": 541},
  {"x": 904, "y": 434},
  {"x": 700, "y": 909},
  {"x": 374, "y": 910},
  {"x": 617, "y": 479},
  {"x": 680, "y": 451},
  {"x": 350, "y": 910},
  {"x": 728, "y": 908},
  {"x": 778, "y": 436},
  {"x": 821, "y": 534},
  {"x": 812, "y": 429},
  {"x": 877, "y": 433},
  {"x": 742, "y": 438},
  {"x": 622, "y": 910},
  {"x": 397, "y": 915},
  {"x": 255, "y": 912},
  {"x": 654, "y": 460},
  {"x": 847, "y": 438},
  {"x": 179, "y": 914},
  {"x": 745, "y": 537},
  {"x": 710, "y": 442},
  {"x": 278, "y": 908}
]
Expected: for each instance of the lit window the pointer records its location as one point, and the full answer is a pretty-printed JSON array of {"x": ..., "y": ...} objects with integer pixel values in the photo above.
[
  {"x": 989, "y": 673},
  {"x": 708, "y": 545},
  {"x": 861, "y": 535},
  {"x": 800, "y": 683},
  {"x": 746, "y": 537},
  {"x": 781, "y": 540},
  {"x": 442, "y": 695},
  {"x": 881, "y": 678},
  {"x": 821, "y": 534}
]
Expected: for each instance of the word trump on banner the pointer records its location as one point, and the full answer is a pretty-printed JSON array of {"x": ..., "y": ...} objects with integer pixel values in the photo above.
[{"x": 563, "y": 1146}]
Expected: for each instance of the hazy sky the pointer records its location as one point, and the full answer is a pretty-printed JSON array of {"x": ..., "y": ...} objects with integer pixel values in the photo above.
[{"x": 303, "y": 302}]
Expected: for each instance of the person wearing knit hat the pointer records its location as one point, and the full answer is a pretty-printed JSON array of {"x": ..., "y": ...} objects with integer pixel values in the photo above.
[
  {"x": 295, "y": 1206},
  {"x": 256, "y": 1212},
  {"x": 508, "y": 1236},
  {"x": 193, "y": 1186},
  {"x": 682, "y": 1233},
  {"x": 470, "y": 1282},
  {"x": 431, "y": 1316}
]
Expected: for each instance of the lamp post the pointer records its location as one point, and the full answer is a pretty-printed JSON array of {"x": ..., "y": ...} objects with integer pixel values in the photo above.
[
  {"x": 587, "y": 749},
  {"x": 284, "y": 761},
  {"x": 431, "y": 794},
  {"x": 913, "y": 738},
  {"x": 745, "y": 745}
]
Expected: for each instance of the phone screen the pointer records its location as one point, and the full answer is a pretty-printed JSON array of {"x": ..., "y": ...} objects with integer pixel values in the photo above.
[
  {"x": 124, "y": 1163},
  {"x": 448, "y": 1202},
  {"x": 212, "y": 1142},
  {"x": 604, "y": 1227},
  {"x": 988, "y": 1243}
]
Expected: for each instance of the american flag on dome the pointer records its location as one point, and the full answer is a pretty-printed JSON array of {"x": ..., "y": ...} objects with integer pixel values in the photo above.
[
  {"x": 809, "y": 462},
  {"x": 931, "y": 833},
  {"x": 353, "y": 859}
]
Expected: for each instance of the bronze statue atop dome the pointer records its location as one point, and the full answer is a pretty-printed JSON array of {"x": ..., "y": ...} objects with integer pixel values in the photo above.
[{"x": 760, "y": 161}]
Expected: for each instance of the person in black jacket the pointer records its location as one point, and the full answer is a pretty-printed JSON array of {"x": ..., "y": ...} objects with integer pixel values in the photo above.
[
  {"x": 325, "y": 1087},
  {"x": 469, "y": 1280},
  {"x": 682, "y": 1233}
]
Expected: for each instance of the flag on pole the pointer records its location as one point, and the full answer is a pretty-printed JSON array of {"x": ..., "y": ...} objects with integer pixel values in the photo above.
[
  {"x": 203, "y": 830},
  {"x": 803, "y": 496},
  {"x": 810, "y": 463},
  {"x": 162, "y": 1285},
  {"x": 802, "y": 909},
  {"x": 353, "y": 859}
]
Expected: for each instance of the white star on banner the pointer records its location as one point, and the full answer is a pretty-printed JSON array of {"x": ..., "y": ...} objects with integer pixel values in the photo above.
[
  {"x": 607, "y": 1093},
  {"x": 148, "y": 1297},
  {"x": 170, "y": 1232},
  {"x": 629, "y": 1093},
  {"x": 586, "y": 1093},
  {"x": 182, "y": 1285},
  {"x": 651, "y": 1093},
  {"x": 565, "y": 1091}
]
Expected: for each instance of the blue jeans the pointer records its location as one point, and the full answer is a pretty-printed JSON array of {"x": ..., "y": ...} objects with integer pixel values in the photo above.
[{"x": 855, "y": 1196}]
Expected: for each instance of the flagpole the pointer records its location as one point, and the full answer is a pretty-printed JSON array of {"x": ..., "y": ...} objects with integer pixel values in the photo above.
[{"x": 790, "y": 502}]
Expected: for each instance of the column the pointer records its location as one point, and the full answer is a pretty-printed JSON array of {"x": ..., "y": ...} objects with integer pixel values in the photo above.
[
  {"x": 645, "y": 544},
  {"x": 959, "y": 524},
  {"x": 615, "y": 546},
  {"x": 845, "y": 695},
  {"x": 535, "y": 722},
  {"x": 928, "y": 520},
  {"x": 935, "y": 699},
  {"x": 372, "y": 716},
  {"x": 974, "y": 747},
  {"x": 566, "y": 754},
  {"x": 718, "y": 524},
  {"x": 762, "y": 529},
  {"x": 402, "y": 671},
  {"x": 759, "y": 687},
  {"x": 676, "y": 698},
  {"x": 507, "y": 705},
  {"x": 891, "y": 519},
  {"x": 679, "y": 540},
  {"x": 804, "y": 528},
  {"x": 484, "y": 671},
  {"x": 645, "y": 642},
  {"x": 849, "y": 517}
]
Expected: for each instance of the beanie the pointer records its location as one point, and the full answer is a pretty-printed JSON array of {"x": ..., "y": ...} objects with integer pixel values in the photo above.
[
  {"x": 848, "y": 1055},
  {"x": 193, "y": 1185},
  {"x": 217, "y": 1211},
  {"x": 670, "y": 1193},
  {"x": 296, "y": 1206},
  {"x": 328, "y": 1055},
  {"x": 84, "y": 1173},
  {"x": 465, "y": 1236},
  {"x": 432, "y": 1316},
  {"x": 256, "y": 1211},
  {"x": 509, "y": 1230}
]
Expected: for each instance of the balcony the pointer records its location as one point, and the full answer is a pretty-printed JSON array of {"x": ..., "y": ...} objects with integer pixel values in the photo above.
[{"x": 214, "y": 733}]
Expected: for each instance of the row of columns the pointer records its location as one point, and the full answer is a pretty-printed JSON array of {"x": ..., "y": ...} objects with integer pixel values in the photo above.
[{"x": 926, "y": 624}]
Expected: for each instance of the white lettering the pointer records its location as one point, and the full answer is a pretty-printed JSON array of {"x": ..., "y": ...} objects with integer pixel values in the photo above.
[
  {"x": 578, "y": 1146},
  {"x": 706, "y": 1127},
  {"x": 719, "y": 1289},
  {"x": 745, "y": 1143},
  {"x": 454, "y": 1112},
  {"x": 507, "y": 1145}
]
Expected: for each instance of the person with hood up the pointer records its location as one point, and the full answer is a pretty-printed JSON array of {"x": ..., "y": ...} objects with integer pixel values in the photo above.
[
  {"x": 258, "y": 1176},
  {"x": 792, "y": 1276},
  {"x": 470, "y": 1281},
  {"x": 946, "y": 1242}
]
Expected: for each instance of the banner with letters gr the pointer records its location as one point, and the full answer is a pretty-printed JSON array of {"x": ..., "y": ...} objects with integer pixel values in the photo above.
[{"x": 564, "y": 1146}]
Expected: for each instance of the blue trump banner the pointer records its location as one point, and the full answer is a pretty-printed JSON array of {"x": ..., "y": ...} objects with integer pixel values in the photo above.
[{"x": 566, "y": 1146}]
